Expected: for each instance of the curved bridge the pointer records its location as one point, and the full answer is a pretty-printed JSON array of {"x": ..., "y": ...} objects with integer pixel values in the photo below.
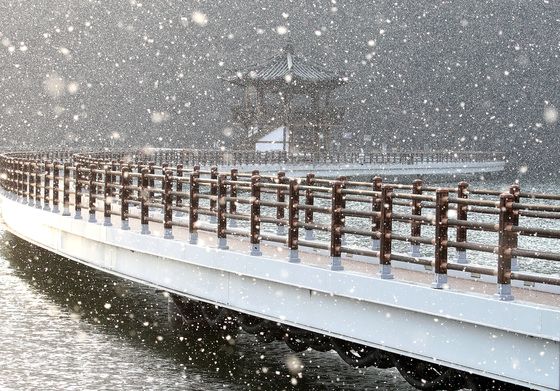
[{"x": 378, "y": 272}]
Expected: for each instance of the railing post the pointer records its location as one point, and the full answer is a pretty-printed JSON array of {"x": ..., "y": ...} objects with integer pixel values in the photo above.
[
  {"x": 193, "y": 206},
  {"x": 309, "y": 201},
  {"x": 56, "y": 187},
  {"x": 179, "y": 189},
  {"x": 19, "y": 180},
  {"x": 37, "y": 180},
  {"x": 376, "y": 207},
  {"x": 515, "y": 190},
  {"x": 233, "y": 195},
  {"x": 255, "y": 214},
  {"x": 462, "y": 193},
  {"x": 25, "y": 182},
  {"x": 416, "y": 226},
  {"x": 151, "y": 181},
  {"x": 15, "y": 179},
  {"x": 92, "y": 193},
  {"x": 440, "y": 242},
  {"x": 125, "y": 196},
  {"x": 11, "y": 168},
  {"x": 47, "y": 187},
  {"x": 336, "y": 226},
  {"x": 9, "y": 182},
  {"x": 145, "y": 198},
  {"x": 386, "y": 228},
  {"x": 6, "y": 176},
  {"x": 222, "y": 209},
  {"x": 167, "y": 204},
  {"x": 78, "y": 196},
  {"x": 66, "y": 190},
  {"x": 293, "y": 220},
  {"x": 31, "y": 175},
  {"x": 213, "y": 193},
  {"x": 38, "y": 184},
  {"x": 107, "y": 197},
  {"x": 281, "y": 198},
  {"x": 506, "y": 241}
]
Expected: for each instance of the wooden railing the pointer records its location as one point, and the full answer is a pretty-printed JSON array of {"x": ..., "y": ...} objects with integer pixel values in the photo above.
[
  {"x": 190, "y": 157},
  {"x": 340, "y": 216}
]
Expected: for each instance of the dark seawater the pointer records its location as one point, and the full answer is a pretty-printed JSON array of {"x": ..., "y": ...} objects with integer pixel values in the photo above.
[{"x": 64, "y": 326}]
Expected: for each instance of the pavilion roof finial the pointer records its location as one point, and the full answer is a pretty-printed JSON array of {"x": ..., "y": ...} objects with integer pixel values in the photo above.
[{"x": 289, "y": 49}]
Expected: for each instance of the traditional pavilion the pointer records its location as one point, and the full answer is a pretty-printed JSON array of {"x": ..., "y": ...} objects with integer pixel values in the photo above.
[{"x": 287, "y": 104}]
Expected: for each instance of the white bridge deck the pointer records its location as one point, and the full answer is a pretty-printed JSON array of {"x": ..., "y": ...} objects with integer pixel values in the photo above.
[{"x": 463, "y": 327}]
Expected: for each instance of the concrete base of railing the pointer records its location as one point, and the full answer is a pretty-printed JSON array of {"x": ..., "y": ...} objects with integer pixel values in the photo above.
[
  {"x": 336, "y": 264},
  {"x": 309, "y": 234},
  {"x": 256, "y": 249},
  {"x": 440, "y": 281},
  {"x": 514, "y": 264},
  {"x": 222, "y": 244},
  {"x": 415, "y": 250},
  {"x": 293, "y": 256},
  {"x": 386, "y": 272},
  {"x": 461, "y": 257},
  {"x": 504, "y": 292},
  {"x": 167, "y": 233}
]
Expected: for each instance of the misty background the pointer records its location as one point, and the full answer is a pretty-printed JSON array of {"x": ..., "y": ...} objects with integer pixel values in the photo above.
[{"x": 459, "y": 75}]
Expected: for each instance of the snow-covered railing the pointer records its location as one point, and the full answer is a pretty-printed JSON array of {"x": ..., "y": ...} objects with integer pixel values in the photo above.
[
  {"x": 370, "y": 219},
  {"x": 191, "y": 157}
]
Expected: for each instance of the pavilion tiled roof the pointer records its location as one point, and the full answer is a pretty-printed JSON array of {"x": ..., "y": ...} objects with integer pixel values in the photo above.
[{"x": 288, "y": 68}]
